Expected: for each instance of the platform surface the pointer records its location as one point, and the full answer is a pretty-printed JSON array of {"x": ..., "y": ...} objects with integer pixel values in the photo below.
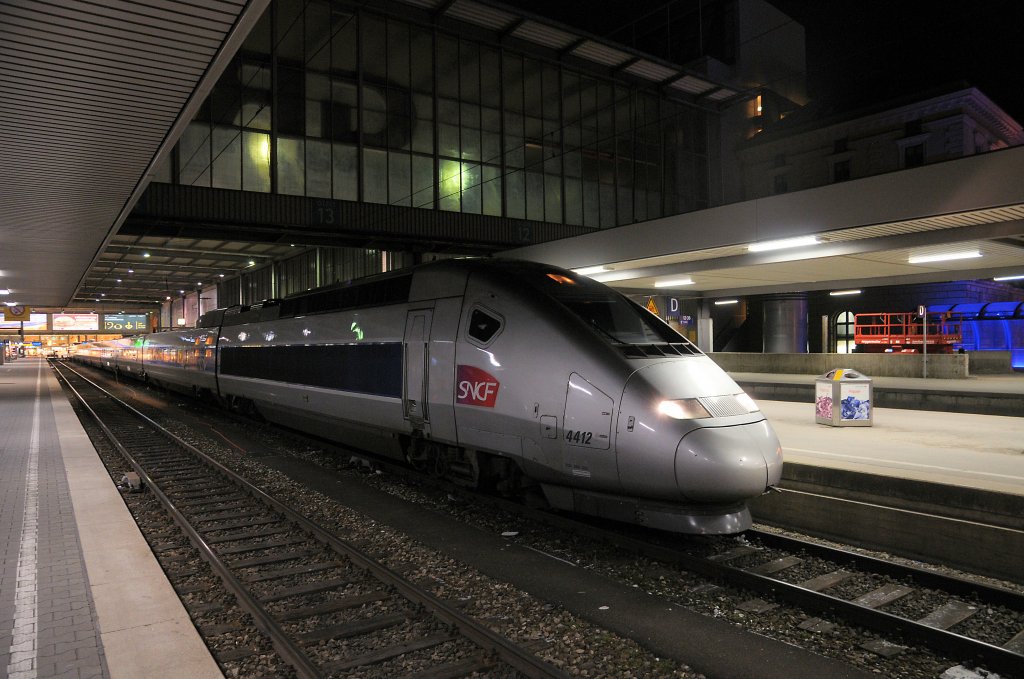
[
  {"x": 1010, "y": 384},
  {"x": 985, "y": 452},
  {"x": 81, "y": 594}
]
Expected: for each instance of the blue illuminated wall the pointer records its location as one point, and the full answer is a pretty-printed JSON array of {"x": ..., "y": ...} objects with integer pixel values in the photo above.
[
  {"x": 992, "y": 334},
  {"x": 996, "y": 335}
]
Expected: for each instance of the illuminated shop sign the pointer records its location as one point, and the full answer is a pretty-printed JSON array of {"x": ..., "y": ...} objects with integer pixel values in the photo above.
[
  {"x": 35, "y": 322},
  {"x": 70, "y": 322},
  {"x": 125, "y": 322}
]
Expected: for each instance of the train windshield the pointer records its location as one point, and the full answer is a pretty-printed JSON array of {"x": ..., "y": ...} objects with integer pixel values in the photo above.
[{"x": 610, "y": 313}]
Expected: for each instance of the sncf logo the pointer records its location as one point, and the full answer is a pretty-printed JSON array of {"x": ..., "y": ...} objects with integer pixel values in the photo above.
[{"x": 476, "y": 387}]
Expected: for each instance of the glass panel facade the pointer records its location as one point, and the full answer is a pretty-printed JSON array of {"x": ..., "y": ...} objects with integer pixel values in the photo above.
[
  {"x": 843, "y": 331},
  {"x": 329, "y": 100}
]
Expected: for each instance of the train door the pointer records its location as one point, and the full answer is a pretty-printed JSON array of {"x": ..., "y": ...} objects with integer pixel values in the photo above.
[
  {"x": 417, "y": 359},
  {"x": 586, "y": 434}
]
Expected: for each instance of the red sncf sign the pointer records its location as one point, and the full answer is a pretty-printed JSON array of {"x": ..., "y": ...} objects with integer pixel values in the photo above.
[{"x": 476, "y": 387}]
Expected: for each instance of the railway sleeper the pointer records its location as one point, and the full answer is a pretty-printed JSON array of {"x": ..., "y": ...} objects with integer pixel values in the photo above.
[
  {"x": 464, "y": 667},
  {"x": 301, "y": 590},
  {"x": 358, "y": 628},
  {"x": 296, "y": 570},
  {"x": 454, "y": 670},
  {"x": 353, "y": 601}
]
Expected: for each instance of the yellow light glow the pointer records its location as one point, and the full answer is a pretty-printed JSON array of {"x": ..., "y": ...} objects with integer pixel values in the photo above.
[
  {"x": 450, "y": 180},
  {"x": 263, "y": 148}
]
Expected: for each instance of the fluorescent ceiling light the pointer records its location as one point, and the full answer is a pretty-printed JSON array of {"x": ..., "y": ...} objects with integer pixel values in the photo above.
[
  {"x": 725, "y": 301},
  {"x": 590, "y": 270},
  {"x": 1001, "y": 278},
  {"x": 4, "y": 291},
  {"x": 840, "y": 293},
  {"x": 944, "y": 257},
  {"x": 782, "y": 244},
  {"x": 673, "y": 283},
  {"x": 612, "y": 276}
]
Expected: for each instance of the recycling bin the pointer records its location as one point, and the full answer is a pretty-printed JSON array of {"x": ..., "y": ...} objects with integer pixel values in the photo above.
[{"x": 842, "y": 398}]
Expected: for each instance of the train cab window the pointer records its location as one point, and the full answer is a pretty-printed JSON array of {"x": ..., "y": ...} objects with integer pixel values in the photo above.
[
  {"x": 612, "y": 315},
  {"x": 483, "y": 326}
]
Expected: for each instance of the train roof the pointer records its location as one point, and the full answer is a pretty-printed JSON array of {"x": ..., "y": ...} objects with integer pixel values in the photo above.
[{"x": 392, "y": 287}]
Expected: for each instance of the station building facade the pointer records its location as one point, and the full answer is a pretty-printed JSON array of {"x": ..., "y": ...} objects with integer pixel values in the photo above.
[
  {"x": 806, "y": 148},
  {"x": 380, "y": 134},
  {"x": 337, "y": 102},
  {"x": 352, "y": 125}
]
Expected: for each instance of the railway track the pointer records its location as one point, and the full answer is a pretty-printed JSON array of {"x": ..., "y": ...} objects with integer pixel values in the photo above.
[
  {"x": 326, "y": 608},
  {"x": 905, "y": 605},
  {"x": 960, "y": 618},
  {"x": 956, "y": 617},
  {"x": 917, "y": 605}
]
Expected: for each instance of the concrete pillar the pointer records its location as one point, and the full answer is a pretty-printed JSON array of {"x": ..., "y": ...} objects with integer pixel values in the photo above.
[
  {"x": 785, "y": 324},
  {"x": 705, "y": 329}
]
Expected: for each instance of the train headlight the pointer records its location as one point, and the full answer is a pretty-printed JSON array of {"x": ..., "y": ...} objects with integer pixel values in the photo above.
[
  {"x": 747, "y": 402},
  {"x": 683, "y": 409}
]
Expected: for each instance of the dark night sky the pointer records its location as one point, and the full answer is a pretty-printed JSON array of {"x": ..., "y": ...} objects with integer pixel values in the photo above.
[
  {"x": 861, "y": 52},
  {"x": 873, "y": 50}
]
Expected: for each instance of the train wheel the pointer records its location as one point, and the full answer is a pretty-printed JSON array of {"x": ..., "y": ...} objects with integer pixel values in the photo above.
[{"x": 421, "y": 456}]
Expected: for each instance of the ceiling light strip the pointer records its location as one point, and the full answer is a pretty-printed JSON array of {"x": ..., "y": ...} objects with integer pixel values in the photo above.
[
  {"x": 591, "y": 270},
  {"x": 783, "y": 244},
  {"x": 943, "y": 257},
  {"x": 674, "y": 283}
]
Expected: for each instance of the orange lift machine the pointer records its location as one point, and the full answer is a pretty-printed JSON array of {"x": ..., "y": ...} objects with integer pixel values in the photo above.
[{"x": 905, "y": 332}]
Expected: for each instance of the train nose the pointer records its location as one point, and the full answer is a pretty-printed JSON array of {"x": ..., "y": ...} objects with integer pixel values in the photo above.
[{"x": 722, "y": 464}]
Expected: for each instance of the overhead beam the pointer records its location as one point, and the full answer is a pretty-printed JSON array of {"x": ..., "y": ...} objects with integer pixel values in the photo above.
[
  {"x": 837, "y": 249},
  {"x": 982, "y": 182}
]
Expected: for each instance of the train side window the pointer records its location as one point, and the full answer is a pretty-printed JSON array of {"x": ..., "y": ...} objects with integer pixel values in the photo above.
[{"x": 483, "y": 326}]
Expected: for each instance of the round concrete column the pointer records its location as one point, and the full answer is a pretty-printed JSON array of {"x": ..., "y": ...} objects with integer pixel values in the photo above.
[{"x": 785, "y": 324}]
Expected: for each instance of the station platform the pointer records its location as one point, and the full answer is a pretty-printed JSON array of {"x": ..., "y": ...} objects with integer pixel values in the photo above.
[
  {"x": 982, "y": 395},
  {"x": 963, "y": 432},
  {"x": 980, "y": 452},
  {"x": 81, "y": 594}
]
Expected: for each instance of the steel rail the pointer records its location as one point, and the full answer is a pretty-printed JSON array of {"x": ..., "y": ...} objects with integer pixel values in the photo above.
[
  {"x": 988, "y": 655},
  {"x": 525, "y": 662},
  {"x": 992, "y": 657},
  {"x": 281, "y": 641},
  {"x": 996, "y": 596}
]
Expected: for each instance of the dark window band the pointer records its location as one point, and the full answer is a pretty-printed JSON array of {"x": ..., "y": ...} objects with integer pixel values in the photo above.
[{"x": 363, "y": 368}]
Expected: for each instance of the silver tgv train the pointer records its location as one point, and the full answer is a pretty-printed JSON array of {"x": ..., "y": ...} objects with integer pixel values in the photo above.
[{"x": 497, "y": 373}]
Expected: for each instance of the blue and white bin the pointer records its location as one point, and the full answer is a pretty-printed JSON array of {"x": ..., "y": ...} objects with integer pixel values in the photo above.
[{"x": 842, "y": 398}]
